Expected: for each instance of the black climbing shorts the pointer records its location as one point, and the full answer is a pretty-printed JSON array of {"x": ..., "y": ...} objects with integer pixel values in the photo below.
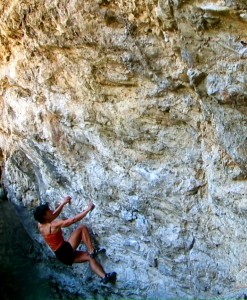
[{"x": 65, "y": 254}]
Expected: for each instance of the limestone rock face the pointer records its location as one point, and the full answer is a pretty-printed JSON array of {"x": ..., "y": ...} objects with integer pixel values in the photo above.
[{"x": 140, "y": 106}]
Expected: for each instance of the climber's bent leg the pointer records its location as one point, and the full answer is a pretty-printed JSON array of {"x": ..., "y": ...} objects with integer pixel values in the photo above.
[
  {"x": 81, "y": 234},
  {"x": 81, "y": 257}
]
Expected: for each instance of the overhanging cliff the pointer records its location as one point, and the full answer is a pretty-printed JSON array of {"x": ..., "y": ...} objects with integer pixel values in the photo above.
[{"x": 139, "y": 105}]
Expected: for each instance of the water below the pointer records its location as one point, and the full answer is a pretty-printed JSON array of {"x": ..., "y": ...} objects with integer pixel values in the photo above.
[{"x": 19, "y": 276}]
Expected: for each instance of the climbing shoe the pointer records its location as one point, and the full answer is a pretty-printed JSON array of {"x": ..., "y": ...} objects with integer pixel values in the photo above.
[
  {"x": 96, "y": 252},
  {"x": 109, "y": 277}
]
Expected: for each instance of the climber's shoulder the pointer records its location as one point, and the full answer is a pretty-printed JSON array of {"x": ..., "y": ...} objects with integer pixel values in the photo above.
[{"x": 57, "y": 223}]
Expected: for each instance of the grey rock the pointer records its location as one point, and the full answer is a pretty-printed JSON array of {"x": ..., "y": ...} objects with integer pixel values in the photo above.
[{"x": 139, "y": 106}]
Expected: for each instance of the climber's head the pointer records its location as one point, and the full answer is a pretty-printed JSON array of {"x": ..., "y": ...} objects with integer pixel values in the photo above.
[{"x": 40, "y": 212}]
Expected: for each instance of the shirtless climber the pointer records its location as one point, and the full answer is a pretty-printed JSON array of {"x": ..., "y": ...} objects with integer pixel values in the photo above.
[{"x": 65, "y": 251}]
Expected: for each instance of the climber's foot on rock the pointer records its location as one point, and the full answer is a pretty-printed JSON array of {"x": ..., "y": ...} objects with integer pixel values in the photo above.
[
  {"x": 96, "y": 252},
  {"x": 109, "y": 277}
]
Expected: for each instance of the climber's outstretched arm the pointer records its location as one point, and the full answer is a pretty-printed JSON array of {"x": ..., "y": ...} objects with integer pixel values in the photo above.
[
  {"x": 58, "y": 210},
  {"x": 77, "y": 218}
]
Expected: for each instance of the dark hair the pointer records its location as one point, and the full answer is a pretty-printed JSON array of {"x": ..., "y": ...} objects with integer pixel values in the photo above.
[{"x": 40, "y": 211}]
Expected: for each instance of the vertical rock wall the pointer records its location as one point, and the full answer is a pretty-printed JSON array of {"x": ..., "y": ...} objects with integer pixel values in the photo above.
[{"x": 140, "y": 106}]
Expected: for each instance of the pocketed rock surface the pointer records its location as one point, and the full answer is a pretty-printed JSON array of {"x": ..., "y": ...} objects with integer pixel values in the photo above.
[{"x": 140, "y": 106}]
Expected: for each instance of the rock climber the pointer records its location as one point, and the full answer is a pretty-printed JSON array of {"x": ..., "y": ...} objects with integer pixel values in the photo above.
[{"x": 65, "y": 251}]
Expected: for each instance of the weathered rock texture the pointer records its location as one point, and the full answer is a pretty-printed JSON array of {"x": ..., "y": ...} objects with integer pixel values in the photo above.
[{"x": 141, "y": 106}]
